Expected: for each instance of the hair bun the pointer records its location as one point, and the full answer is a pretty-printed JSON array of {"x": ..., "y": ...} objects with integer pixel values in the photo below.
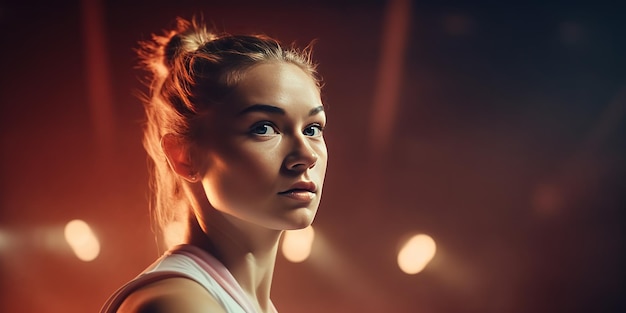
[
  {"x": 187, "y": 37},
  {"x": 172, "y": 50},
  {"x": 160, "y": 54}
]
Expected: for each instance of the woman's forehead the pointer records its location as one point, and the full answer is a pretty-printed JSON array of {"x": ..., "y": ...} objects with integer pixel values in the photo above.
[
  {"x": 276, "y": 84},
  {"x": 271, "y": 76}
]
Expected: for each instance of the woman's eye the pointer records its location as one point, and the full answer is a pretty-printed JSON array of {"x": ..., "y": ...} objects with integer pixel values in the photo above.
[
  {"x": 263, "y": 129},
  {"x": 313, "y": 130}
]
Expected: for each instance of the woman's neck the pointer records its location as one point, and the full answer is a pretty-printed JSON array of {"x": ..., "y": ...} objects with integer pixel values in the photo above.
[{"x": 249, "y": 253}]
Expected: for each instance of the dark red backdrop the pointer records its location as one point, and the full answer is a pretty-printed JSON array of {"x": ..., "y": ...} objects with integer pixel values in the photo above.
[{"x": 507, "y": 148}]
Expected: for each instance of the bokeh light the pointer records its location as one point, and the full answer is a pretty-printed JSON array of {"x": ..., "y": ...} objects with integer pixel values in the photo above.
[
  {"x": 416, "y": 253},
  {"x": 82, "y": 240},
  {"x": 174, "y": 233},
  {"x": 297, "y": 244}
]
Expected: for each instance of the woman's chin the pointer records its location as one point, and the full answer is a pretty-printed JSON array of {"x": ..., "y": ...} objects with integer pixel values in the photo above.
[{"x": 298, "y": 219}]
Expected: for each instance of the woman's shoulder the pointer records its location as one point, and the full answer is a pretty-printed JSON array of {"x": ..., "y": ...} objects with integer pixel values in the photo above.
[{"x": 180, "y": 295}]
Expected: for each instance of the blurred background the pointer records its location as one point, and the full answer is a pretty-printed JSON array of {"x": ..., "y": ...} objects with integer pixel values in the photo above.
[{"x": 495, "y": 128}]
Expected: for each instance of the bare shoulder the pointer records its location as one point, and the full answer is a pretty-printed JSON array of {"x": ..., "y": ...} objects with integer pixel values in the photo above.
[{"x": 171, "y": 295}]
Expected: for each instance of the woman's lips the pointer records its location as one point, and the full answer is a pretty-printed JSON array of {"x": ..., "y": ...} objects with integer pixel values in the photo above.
[
  {"x": 301, "y": 191},
  {"x": 298, "y": 194},
  {"x": 301, "y": 186}
]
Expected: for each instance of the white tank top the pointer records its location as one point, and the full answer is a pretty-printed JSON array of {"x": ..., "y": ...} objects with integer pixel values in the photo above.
[{"x": 190, "y": 262}]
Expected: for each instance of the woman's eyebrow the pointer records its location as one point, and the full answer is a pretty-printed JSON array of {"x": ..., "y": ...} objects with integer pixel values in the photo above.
[
  {"x": 266, "y": 108},
  {"x": 316, "y": 110},
  {"x": 262, "y": 108}
]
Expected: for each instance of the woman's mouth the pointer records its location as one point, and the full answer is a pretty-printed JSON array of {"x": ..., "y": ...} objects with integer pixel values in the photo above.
[
  {"x": 301, "y": 191},
  {"x": 298, "y": 194}
]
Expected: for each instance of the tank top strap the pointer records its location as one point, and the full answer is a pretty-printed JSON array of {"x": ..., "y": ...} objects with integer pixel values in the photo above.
[
  {"x": 218, "y": 272},
  {"x": 190, "y": 262}
]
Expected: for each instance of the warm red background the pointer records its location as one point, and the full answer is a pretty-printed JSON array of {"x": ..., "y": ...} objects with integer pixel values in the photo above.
[{"x": 507, "y": 148}]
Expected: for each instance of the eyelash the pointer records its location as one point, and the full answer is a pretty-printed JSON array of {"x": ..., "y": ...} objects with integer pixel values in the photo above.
[
  {"x": 318, "y": 126},
  {"x": 259, "y": 125},
  {"x": 265, "y": 124}
]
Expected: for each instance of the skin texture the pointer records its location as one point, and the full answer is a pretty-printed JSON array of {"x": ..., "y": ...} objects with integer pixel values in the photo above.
[
  {"x": 261, "y": 166},
  {"x": 259, "y": 151}
]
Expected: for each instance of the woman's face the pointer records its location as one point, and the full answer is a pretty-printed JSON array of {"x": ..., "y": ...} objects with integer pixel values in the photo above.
[{"x": 266, "y": 157}]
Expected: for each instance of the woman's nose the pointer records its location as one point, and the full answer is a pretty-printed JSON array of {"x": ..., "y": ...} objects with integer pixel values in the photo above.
[{"x": 302, "y": 157}]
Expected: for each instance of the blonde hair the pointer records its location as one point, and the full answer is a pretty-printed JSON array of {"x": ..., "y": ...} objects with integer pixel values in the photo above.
[{"x": 190, "y": 70}]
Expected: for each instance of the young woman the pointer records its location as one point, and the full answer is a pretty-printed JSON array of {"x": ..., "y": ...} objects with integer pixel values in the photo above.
[{"x": 235, "y": 132}]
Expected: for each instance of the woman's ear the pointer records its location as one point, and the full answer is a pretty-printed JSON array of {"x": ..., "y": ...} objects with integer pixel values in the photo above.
[{"x": 178, "y": 154}]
